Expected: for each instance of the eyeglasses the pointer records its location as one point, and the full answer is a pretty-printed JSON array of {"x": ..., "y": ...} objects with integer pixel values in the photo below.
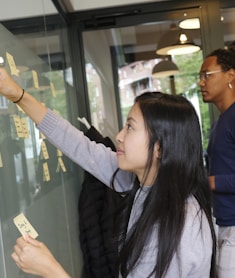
[{"x": 205, "y": 74}]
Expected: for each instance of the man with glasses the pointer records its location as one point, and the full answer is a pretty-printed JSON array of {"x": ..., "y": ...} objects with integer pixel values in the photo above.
[{"x": 217, "y": 83}]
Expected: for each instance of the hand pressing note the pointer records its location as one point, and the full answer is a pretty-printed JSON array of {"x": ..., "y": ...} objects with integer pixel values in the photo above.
[{"x": 33, "y": 256}]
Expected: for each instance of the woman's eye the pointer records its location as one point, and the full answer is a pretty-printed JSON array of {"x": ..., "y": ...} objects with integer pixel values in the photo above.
[{"x": 128, "y": 126}]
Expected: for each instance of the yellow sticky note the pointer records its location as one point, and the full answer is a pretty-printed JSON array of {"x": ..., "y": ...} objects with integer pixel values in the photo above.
[
  {"x": 35, "y": 79},
  {"x": 53, "y": 92},
  {"x": 24, "y": 226},
  {"x": 12, "y": 65},
  {"x": 60, "y": 165},
  {"x": 42, "y": 136},
  {"x": 25, "y": 127},
  {"x": 20, "y": 109},
  {"x": 18, "y": 126},
  {"x": 1, "y": 164},
  {"x": 44, "y": 150},
  {"x": 46, "y": 173},
  {"x": 59, "y": 152}
]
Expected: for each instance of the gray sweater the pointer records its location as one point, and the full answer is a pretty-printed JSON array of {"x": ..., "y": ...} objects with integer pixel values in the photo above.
[{"x": 193, "y": 257}]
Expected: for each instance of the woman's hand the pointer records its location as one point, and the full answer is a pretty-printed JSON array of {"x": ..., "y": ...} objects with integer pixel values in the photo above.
[
  {"x": 8, "y": 87},
  {"x": 12, "y": 91},
  {"x": 32, "y": 256}
]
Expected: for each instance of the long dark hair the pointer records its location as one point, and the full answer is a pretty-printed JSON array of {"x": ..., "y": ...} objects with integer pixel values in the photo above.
[{"x": 173, "y": 123}]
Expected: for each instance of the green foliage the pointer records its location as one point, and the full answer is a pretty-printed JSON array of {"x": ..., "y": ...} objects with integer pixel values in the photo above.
[{"x": 186, "y": 83}]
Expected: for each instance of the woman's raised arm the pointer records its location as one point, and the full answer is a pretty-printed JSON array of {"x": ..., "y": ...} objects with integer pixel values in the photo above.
[{"x": 12, "y": 91}]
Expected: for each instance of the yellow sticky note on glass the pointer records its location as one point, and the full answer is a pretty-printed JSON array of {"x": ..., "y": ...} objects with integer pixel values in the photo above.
[
  {"x": 1, "y": 165},
  {"x": 53, "y": 92},
  {"x": 35, "y": 79},
  {"x": 25, "y": 127},
  {"x": 59, "y": 152},
  {"x": 44, "y": 150},
  {"x": 18, "y": 126},
  {"x": 60, "y": 165},
  {"x": 24, "y": 226},
  {"x": 12, "y": 65},
  {"x": 46, "y": 173}
]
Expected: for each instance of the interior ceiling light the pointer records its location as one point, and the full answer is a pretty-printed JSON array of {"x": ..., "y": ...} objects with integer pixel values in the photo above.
[
  {"x": 176, "y": 42},
  {"x": 164, "y": 68},
  {"x": 190, "y": 23}
]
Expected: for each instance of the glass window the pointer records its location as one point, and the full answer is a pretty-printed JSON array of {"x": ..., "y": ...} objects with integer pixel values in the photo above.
[
  {"x": 228, "y": 20},
  {"x": 122, "y": 60},
  {"x": 35, "y": 177}
]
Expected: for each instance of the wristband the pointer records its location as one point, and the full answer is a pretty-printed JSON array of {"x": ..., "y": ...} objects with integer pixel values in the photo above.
[{"x": 20, "y": 98}]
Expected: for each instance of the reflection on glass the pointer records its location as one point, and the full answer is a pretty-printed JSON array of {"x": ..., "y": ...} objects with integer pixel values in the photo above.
[
  {"x": 228, "y": 20},
  {"x": 130, "y": 54},
  {"x": 96, "y": 98},
  {"x": 35, "y": 177}
]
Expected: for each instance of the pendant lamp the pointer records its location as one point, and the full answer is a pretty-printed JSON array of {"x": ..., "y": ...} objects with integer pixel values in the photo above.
[
  {"x": 176, "y": 42},
  {"x": 190, "y": 23},
  {"x": 164, "y": 68}
]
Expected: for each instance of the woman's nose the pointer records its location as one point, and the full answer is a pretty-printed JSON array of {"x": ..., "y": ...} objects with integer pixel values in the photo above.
[{"x": 119, "y": 136}]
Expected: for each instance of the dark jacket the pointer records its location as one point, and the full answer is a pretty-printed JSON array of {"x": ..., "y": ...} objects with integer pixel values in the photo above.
[{"x": 97, "y": 204}]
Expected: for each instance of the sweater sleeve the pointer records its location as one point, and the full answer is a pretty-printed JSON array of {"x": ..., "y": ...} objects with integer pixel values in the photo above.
[{"x": 95, "y": 158}]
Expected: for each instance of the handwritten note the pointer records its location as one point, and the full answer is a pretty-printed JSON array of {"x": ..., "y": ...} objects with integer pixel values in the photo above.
[{"x": 24, "y": 226}]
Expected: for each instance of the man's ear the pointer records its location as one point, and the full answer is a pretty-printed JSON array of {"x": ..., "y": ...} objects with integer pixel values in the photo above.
[{"x": 231, "y": 75}]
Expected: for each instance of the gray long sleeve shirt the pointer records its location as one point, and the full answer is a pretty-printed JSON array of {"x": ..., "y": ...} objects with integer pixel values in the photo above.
[{"x": 193, "y": 258}]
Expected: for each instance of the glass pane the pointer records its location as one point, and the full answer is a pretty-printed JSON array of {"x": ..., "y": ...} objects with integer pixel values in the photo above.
[
  {"x": 35, "y": 177},
  {"x": 228, "y": 19},
  {"x": 100, "y": 81},
  {"x": 130, "y": 54}
]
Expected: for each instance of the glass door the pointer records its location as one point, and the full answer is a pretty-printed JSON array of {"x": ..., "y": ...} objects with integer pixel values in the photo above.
[{"x": 119, "y": 65}]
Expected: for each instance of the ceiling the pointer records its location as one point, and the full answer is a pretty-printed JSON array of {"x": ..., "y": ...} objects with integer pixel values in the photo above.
[
  {"x": 31, "y": 8},
  {"x": 145, "y": 36},
  {"x": 80, "y": 5},
  {"x": 25, "y": 9}
]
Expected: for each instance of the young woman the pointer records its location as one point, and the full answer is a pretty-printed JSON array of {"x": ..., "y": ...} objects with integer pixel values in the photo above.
[{"x": 164, "y": 224}]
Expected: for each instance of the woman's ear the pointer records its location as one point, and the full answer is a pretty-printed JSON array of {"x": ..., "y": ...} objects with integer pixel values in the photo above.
[{"x": 157, "y": 150}]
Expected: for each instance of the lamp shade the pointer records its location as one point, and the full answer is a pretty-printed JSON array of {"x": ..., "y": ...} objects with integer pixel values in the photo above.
[
  {"x": 164, "y": 68},
  {"x": 176, "y": 42},
  {"x": 190, "y": 23}
]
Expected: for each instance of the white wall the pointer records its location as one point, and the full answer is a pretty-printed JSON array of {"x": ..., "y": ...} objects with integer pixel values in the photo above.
[{"x": 14, "y": 9}]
